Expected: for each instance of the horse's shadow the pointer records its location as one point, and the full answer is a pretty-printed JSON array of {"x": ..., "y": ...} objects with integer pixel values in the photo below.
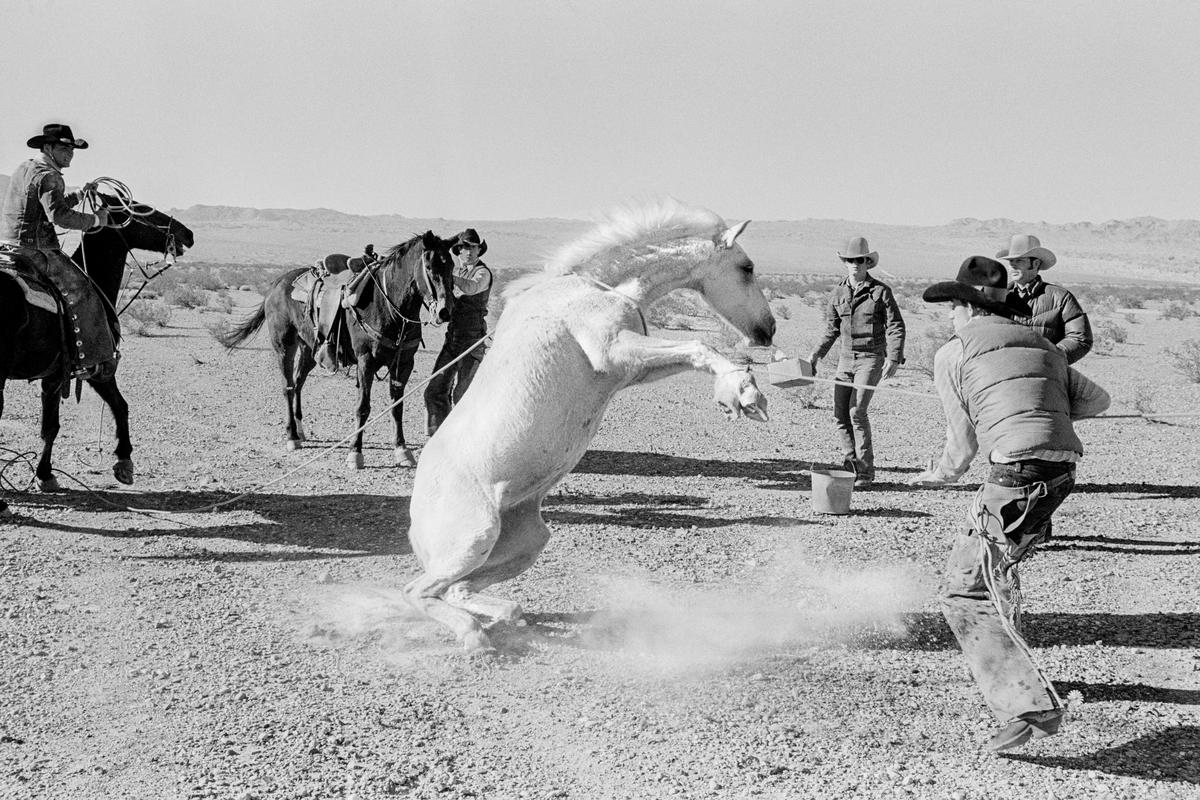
[
  {"x": 310, "y": 527},
  {"x": 647, "y": 510},
  {"x": 1166, "y": 755}
]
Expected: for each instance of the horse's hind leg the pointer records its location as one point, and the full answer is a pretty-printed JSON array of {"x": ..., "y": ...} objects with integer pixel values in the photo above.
[
  {"x": 110, "y": 393},
  {"x": 304, "y": 365},
  {"x": 50, "y": 425},
  {"x": 523, "y": 535},
  {"x": 285, "y": 352}
]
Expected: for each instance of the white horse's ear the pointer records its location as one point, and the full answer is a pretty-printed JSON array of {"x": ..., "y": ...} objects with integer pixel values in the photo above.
[{"x": 726, "y": 239}]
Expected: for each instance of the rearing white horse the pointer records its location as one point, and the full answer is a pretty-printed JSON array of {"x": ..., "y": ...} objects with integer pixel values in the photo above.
[{"x": 569, "y": 339}]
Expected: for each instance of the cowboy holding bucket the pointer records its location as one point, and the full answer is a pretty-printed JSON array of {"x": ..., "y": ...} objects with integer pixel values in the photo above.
[
  {"x": 36, "y": 202},
  {"x": 1007, "y": 390},
  {"x": 862, "y": 313}
]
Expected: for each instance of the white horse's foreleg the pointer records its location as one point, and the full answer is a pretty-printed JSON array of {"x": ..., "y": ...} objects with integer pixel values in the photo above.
[
  {"x": 649, "y": 359},
  {"x": 652, "y": 358},
  {"x": 523, "y": 535}
]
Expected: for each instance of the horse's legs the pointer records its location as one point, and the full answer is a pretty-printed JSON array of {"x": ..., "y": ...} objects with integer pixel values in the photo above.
[
  {"x": 523, "y": 535},
  {"x": 304, "y": 365},
  {"x": 285, "y": 351},
  {"x": 366, "y": 378},
  {"x": 453, "y": 558},
  {"x": 401, "y": 371},
  {"x": 50, "y": 407},
  {"x": 110, "y": 393}
]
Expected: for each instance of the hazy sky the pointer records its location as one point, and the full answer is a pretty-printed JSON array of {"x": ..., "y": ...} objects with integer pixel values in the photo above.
[{"x": 897, "y": 112}]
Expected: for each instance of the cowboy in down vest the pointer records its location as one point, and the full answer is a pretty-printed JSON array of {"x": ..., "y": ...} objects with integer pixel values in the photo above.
[
  {"x": 1049, "y": 309},
  {"x": 36, "y": 202},
  {"x": 1007, "y": 390}
]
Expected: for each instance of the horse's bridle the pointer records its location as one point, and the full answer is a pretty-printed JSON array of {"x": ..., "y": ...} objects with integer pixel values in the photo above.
[{"x": 426, "y": 286}]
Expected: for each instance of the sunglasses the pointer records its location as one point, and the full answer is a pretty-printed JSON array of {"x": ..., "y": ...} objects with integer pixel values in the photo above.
[{"x": 857, "y": 261}]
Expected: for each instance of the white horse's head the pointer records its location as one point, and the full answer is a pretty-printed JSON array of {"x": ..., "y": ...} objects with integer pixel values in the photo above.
[{"x": 728, "y": 284}]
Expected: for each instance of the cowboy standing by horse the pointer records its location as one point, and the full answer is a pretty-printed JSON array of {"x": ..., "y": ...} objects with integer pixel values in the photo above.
[
  {"x": 468, "y": 324},
  {"x": 1007, "y": 390},
  {"x": 36, "y": 202},
  {"x": 863, "y": 314},
  {"x": 1053, "y": 311}
]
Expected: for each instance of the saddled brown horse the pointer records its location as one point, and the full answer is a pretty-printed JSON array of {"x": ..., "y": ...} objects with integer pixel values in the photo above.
[
  {"x": 31, "y": 337},
  {"x": 383, "y": 329}
]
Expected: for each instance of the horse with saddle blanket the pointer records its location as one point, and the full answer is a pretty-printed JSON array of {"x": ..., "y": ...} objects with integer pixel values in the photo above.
[{"x": 354, "y": 311}]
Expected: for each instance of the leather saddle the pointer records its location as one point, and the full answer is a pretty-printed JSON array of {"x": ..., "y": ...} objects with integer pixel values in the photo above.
[{"x": 52, "y": 282}]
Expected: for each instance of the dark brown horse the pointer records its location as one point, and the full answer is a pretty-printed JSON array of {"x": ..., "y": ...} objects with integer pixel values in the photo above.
[
  {"x": 31, "y": 345},
  {"x": 382, "y": 330}
]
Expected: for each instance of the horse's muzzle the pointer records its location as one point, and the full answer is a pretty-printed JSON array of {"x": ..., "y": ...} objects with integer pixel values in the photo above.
[{"x": 763, "y": 334}]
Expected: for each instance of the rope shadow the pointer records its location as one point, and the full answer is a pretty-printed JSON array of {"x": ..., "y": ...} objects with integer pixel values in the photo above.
[
  {"x": 1168, "y": 755},
  {"x": 927, "y": 631},
  {"x": 1107, "y": 544},
  {"x": 328, "y": 525},
  {"x": 1152, "y": 491}
]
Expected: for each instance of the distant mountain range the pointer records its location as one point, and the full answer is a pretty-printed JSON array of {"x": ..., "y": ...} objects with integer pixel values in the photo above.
[{"x": 1142, "y": 248}]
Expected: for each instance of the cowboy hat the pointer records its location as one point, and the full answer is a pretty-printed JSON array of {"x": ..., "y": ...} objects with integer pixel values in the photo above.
[
  {"x": 57, "y": 133},
  {"x": 982, "y": 282},
  {"x": 858, "y": 248},
  {"x": 469, "y": 237},
  {"x": 1026, "y": 245}
]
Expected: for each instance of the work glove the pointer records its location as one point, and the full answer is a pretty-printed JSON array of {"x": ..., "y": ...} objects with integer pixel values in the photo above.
[
  {"x": 889, "y": 368},
  {"x": 101, "y": 218},
  {"x": 737, "y": 393},
  {"x": 930, "y": 478}
]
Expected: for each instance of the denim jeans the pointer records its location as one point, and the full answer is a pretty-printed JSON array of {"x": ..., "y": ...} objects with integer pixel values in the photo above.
[
  {"x": 999, "y": 660},
  {"x": 850, "y": 408},
  {"x": 445, "y": 390}
]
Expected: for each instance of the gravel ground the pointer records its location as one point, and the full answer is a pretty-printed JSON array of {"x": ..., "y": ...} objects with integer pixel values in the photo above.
[{"x": 693, "y": 629}]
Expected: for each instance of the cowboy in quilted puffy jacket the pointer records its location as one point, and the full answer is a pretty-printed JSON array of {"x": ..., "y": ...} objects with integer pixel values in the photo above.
[{"x": 1052, "y": 310}]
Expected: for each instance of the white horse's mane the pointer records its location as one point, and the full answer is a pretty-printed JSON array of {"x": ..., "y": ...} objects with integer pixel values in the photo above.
[{"x": 626, "y": 226}]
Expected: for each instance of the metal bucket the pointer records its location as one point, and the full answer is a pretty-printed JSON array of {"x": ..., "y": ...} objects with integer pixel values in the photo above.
[{"x": 831, "y": 490}]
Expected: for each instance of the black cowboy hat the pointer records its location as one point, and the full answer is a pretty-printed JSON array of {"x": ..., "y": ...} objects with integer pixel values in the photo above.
[
  {"x": 57, "y": 133},
  {"x": 982, "y": 282},
  {"x": 469, "y": 237}
]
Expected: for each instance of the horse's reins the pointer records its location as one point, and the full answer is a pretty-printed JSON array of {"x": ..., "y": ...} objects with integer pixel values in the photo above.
[{"x": 381, "y": 284}]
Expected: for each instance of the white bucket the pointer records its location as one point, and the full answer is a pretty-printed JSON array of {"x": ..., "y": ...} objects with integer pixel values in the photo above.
[{"x": 831, "y": 490}]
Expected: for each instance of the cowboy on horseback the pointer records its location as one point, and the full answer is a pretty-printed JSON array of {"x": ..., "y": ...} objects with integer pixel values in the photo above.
[{"x": 36, "y": 202}]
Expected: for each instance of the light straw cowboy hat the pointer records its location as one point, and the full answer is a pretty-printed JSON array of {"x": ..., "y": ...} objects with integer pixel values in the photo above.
[
  {"x": 982, "y": 282},
  {"x": 1026, "y": 245},
  {"x": 57, "y": 133},
  {"x": 858, "y": 248}
]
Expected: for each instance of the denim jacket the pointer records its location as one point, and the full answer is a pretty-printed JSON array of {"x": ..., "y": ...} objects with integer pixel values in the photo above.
[
  {"x": 866, "y": 319},
  {"x": 35, "y": 203}
]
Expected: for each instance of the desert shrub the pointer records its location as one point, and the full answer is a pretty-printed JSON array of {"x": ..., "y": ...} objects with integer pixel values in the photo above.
[
  {"x": 221, "y": 301},
  {"x": 1185, "y": 357},
  {"x": 1106, "y": 335},
  {"x": 1176, "y": 310},
  {"x": 921, "y": 350},
  {"x": 1131, "y": 318},
  {"x": 1099, "y": 306},
  {"x": 814, "y": 299},
  {"x": 781, "y": 310},
  {"x": 142, "y": 315},
  {"x": 186, "y": 296}
]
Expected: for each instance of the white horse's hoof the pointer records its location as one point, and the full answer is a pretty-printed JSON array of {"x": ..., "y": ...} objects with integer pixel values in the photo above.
[
  {"x": 123, "y": 471},
  {"x": 354, "y": 461},
  {"x": 51, "y": 484},
  {"x": 478, "y": 645},
  {"x": 300, "y": 434},
  {"x": 404, "y": 457},
  {"x": 294, "y": 444}
]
